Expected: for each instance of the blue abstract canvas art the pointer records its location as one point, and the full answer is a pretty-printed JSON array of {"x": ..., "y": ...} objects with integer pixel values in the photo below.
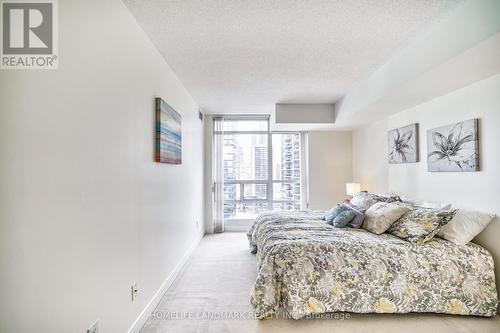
[{"x": 168, "y": 134}]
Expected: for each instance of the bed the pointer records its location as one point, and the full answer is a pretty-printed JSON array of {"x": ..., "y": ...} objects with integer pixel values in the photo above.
[{"x": 307, "y": 267}]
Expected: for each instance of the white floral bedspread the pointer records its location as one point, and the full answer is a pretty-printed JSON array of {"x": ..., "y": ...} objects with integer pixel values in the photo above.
[{"x": 307, "y": 267}]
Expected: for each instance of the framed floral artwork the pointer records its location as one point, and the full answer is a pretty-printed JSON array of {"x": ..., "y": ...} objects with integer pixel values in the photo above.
[
  {"x": 453, "y": 147},
  {"x": 403, "y": 145}
]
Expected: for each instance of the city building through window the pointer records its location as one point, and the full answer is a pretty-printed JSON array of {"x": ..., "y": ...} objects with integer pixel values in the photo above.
[{"x": 261, "y": 170}]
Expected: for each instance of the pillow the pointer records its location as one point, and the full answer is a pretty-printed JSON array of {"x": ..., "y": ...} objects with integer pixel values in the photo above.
[
  {"x": 357, "y": 221},
  {"x": 389, "y": 197},
  {"x": 420, "y": 224},
  {"x": 358, "y": 218},
  {"x": 381, "y": 216},
  {"x": 353, "y": 216},
  {"x": 464, "y": 226},
  {"x": 334, "y": 212},
  {"x": 426, "y": 204},
  {"x": 344, "y": 218},
  {"x": 364, "y": 199},
  {"x": 392, "y": 198},
  {"x": 434, "y": 205}
]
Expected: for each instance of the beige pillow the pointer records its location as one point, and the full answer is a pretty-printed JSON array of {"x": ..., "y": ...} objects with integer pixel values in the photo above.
[
  {"x": 382, "y": 215},
  {"x": 464, "y": 226}
]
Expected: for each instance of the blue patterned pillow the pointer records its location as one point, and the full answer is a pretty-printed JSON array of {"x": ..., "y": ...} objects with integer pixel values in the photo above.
[
  {"x": 344, "y": 218},
  {"x": 334, "y": 212}
]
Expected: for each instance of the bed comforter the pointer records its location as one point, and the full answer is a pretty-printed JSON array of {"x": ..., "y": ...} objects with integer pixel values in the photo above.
[{"x": 307, "y": 267}]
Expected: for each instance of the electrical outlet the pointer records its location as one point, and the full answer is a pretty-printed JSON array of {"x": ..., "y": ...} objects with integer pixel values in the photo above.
[
  {"x": 94, "y": 328},
  {"x": 196, "y": 224},
  {"x": 134, "y": 291}
]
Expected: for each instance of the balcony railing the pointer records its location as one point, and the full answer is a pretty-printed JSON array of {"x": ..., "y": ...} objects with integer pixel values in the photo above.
[{"x": 261, "y": 195}]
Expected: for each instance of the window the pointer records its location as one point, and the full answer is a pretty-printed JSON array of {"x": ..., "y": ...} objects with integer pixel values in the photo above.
[
  {"x": 286, "y": 171},
  {"x": 245, "y": 175},
  {"x": 261, "y": 170}
]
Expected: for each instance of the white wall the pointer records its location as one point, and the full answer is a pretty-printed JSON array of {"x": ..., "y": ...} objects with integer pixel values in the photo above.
[
  {"x": 329, "y": 167},
  {"x": 84, "y": 210},
  {"x": 475, "y": 190},
  {"x": 369, "y": 145}
]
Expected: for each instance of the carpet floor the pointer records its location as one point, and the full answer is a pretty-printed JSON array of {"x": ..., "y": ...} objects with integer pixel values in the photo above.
[{"x": 211, "y": 294}]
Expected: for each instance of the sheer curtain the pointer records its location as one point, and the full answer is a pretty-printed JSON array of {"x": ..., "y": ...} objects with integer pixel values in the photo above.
[{"x": 218, "y": 175}]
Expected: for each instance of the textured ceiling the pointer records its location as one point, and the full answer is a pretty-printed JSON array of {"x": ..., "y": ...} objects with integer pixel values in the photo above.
[{"x": 245, "y": 56}]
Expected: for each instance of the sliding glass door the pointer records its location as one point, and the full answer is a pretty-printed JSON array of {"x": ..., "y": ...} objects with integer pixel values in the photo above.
[{"x": 255, "y": 170}]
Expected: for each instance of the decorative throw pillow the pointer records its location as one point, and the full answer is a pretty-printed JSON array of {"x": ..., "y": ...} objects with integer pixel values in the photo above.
[
  {"x": 358, "y": 218},
  {"x": 345, "y": 214},
  {"x": 464, "y": 226},
  {"x": 365, "y": 200},
  {"x": 420, "y": 224},
  {"x": 381, "y": 216},
  {"x": 357, "y": 221},
  {"x": 344, "y": 218},
  {"x": 389, "y": 198},
  {"x": 334, "y": 212}
]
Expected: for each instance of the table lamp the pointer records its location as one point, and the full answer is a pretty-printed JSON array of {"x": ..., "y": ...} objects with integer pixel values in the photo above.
[{"x": 352, "y": 188}]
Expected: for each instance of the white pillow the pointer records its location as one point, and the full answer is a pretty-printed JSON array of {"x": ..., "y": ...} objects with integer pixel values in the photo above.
[
  {"x": 433, "y": 205},
  {"x": 426, "y": 204},
  {"x": 464, "y": 226},
  {"x": 380, "y": 216}
]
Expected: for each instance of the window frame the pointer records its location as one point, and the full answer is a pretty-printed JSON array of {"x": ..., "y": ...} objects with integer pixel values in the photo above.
[
  {"x": 270, "y": 174},
  {"x": 301, "y": 175}
]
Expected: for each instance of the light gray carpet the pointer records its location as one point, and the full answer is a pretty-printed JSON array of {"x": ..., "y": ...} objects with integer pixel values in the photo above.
[{"x": 218, "y": 278}]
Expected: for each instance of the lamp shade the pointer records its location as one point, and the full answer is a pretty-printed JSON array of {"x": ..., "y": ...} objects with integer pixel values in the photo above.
[{"x": 352, "y": 188}]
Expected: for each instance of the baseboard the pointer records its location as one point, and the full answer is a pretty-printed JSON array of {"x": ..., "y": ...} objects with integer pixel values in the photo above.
[
  {"x": 236, "y": 229},
  {"x": 238, "y": 225},
  {"x": 146, "y": 313}
]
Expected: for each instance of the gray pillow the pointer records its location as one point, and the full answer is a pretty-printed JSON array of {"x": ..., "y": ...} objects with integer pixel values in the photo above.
[
  {"x": 365, "y": 200},
  {"x": 359, "y": 218}
]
